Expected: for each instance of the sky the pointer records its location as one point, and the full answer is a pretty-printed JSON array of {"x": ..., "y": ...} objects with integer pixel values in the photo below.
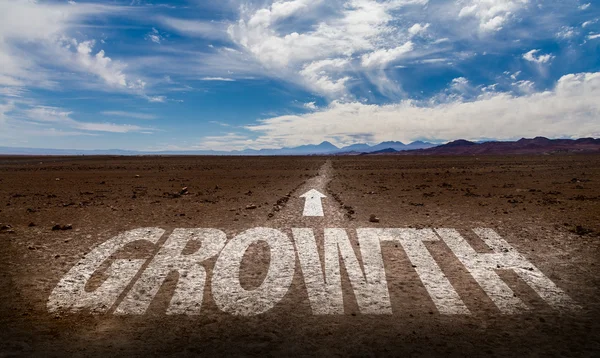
[{"x": 236, "y": 74}]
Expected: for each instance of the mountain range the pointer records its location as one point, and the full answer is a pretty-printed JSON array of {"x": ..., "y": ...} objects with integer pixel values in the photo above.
[
  {"x": 309, "y": 149},
  {"x": 538, "y": 145}
]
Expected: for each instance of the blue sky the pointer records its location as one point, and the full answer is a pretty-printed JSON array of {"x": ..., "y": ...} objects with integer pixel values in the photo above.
[{"x": 234, "y": 74}]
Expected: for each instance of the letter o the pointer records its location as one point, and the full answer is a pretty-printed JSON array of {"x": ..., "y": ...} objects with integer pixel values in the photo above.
[{"x": 227, "y": 291}]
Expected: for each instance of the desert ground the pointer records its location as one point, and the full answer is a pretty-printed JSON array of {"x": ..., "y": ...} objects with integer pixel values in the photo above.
[{"x": 54, "y": 212}]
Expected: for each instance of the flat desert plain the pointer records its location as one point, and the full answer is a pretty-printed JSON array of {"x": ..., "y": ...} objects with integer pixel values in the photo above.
[{"x": 317, "y": 256}]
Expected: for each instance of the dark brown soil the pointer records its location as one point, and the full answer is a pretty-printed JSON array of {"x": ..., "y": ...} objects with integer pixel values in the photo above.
[{"x": 546, "y": 207}]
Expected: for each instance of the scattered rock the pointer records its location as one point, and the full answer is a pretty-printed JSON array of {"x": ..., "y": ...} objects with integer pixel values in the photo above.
[
  {"x": 31, "y": 224},
  {"x": 7, "y": 229},
  {"x": 62, "y": 227},
  {"x": 251, "y": 207},
  {"x": 172, "y": 195},
  {"x": 581, "y": 231},
  {"x": 184, "y": 191},
  {"x": 57, "y": 179},
  {"x": 137, "y": 176},
  {"x": 373, "y": 219}
]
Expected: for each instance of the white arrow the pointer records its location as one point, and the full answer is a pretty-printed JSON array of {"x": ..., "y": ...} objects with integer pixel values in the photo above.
[{"x": 313, "y": 205}]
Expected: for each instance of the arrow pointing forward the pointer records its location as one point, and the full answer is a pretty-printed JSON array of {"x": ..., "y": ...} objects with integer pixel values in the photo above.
[{"x": 313, "y": 205}]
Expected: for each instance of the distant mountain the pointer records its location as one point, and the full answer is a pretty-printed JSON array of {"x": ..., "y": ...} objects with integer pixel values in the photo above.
[
  {"x": 309, "y": 149},
  {"x": 538, "y": 145},
  {"x": 382, "y": 151},
  {"x": 323, "y": 148},
  {"x": 396, "y": 146},
  {"x": 361, "y": 147},
  {"x": 399, "y": 146}
]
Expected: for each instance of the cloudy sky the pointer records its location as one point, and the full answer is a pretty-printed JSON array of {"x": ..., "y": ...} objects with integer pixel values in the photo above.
[{"x": 235, "y": 74}]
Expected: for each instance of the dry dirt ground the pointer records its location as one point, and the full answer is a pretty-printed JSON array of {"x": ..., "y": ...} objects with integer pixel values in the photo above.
[{"x": 546, "y": 207}]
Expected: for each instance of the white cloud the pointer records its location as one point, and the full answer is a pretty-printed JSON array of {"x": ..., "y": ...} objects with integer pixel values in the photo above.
[
  {"x": 12, "y": 91},
  {"x": 229, "y": 141},
  {"x": 593, "y": 36},
  {"x": 155, "y": 36},
  {"x": 156, "y": 99},
  {"x": 61, "y": 117},
  {"x": 223, "y": 79},
  {"x": 541, "y": 59},
  {"x": 570, "y": 109},
  {"x": 588, "y": 23},
  {"x": 197, "y": 28},
  {"x": 222, "y": 124},
  {"x": 417, "y": 29},
  {"x": 46, "y": 24},
  {"x": 101, "y": 65},
  {"x": 524, "y": 86},
  {"x": 125, "y": 114},
  {"x": 460, "y": 84},
  {"x": 40, "y": 51},
  {"x": 5, "y": 108},
  {"x": 566, "y": 32},
  {"x": 310, "y": 105},
  {"x": 585, "y": 6},
  {"x": 279, "y": 10},
  {"x": 355, "y": 29},
  {"x": 492, "y": 14},
  {"x": 319, "y": 75},
  {"x": 384, "y": 56}
]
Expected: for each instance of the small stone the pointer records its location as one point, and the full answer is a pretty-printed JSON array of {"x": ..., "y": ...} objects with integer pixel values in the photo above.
[
  {"x": 56, "y": 227},
  {"x": 57, "y": 179},
  {"x": 183, "y": 191},
  {"x": 31, "y": 224},
  {"x": 251, "y": 207},
  {"x": 137, "y": 176},
  {"x": 373, "y": 219}
]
